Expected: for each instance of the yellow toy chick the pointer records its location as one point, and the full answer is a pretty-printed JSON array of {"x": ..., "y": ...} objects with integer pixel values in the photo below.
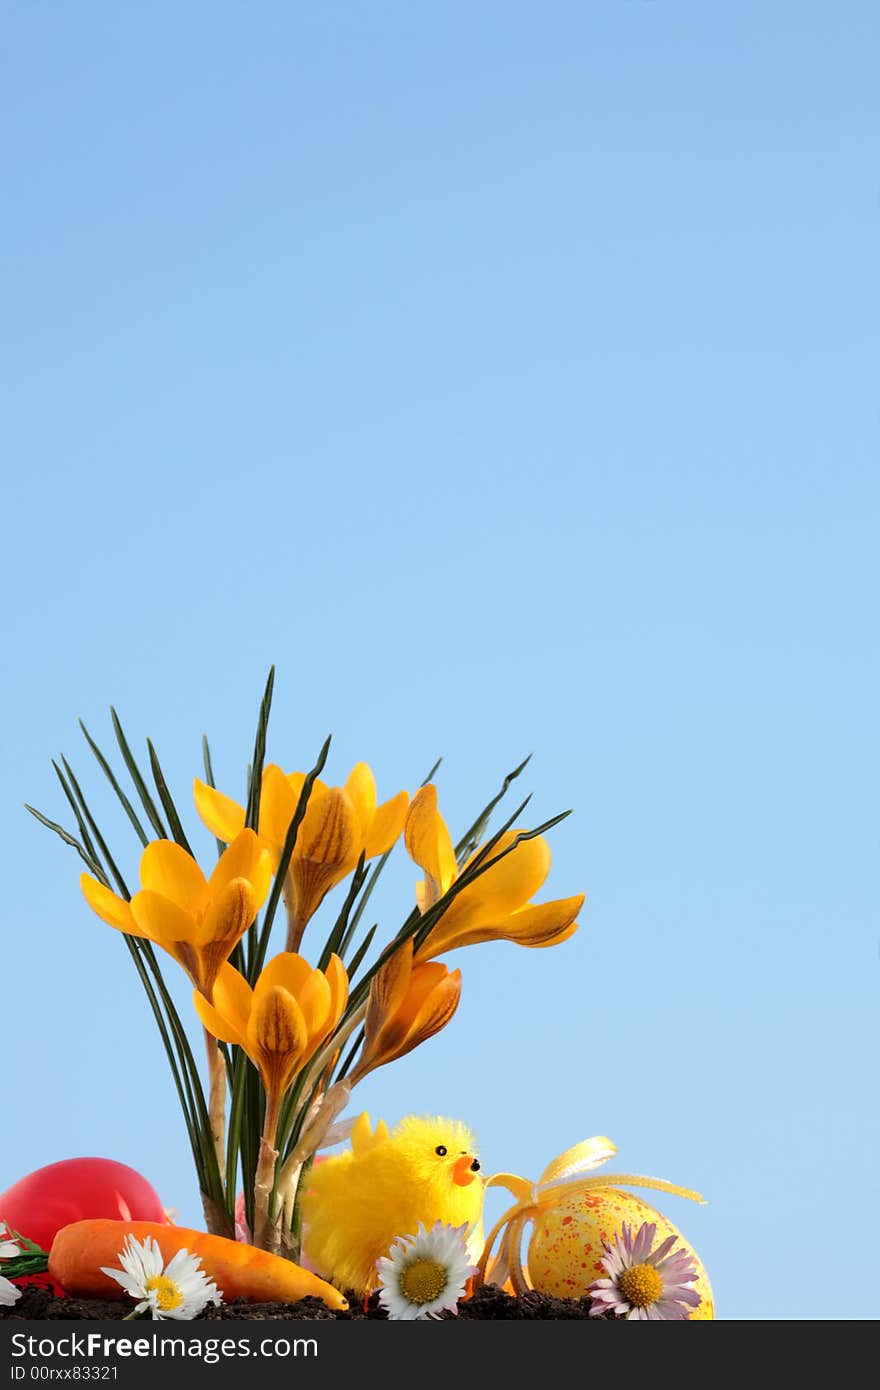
[{"x": 360, "y": 1201}]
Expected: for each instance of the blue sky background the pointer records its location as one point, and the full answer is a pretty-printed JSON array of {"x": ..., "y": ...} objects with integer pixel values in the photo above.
[{"x": 506, "y": 373}]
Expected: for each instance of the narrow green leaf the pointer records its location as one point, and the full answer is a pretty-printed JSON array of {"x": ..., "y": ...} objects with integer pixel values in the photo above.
[
  {"x": 362, "y": 951},
  {"x": 292, "y": 1114},
  {"x": 251, "y": 1131},
  {"x": 418, "y": 926},
  {"x": 166, "y": 799},
  {"x": 174, "y": 1040},
  {"x": 340, "y": 928},
  {"x": 374, "y": 877},
  {"x": 209, "y": 778},
  {"x": 255, "y": 775},
  {"x": 64, "y": 835},
  {"x": 78, "y": 802},
  {"x": 206, "y": 759},
  {"x": 284, "y": 862},
  {"x": 186, "y": 1105},
  {"x": 472, "y": 837},
  {"x": 432, "y": 774},
  {"x": 192, "y": 1080},
  {"x": 234, "y": 1125},
  {"x": 109, "y": 774},
  {"x": 350, "y": 1056},
  {"x": 486, "y": 849},
  {"x": 237, "y": 959},
  {"x": 83, "y": 828},
  {"x": 480, "y": 865},
  {"x": 147, "y": 802},
  {"x": 359, "y": 911}
]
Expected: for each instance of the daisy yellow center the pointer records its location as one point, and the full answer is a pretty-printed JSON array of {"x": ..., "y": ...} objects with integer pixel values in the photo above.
[
  {"x": 640, "y": 1285},
  {"x": 167, "y": 1293},
  {"x": 423, "y": 1281}
]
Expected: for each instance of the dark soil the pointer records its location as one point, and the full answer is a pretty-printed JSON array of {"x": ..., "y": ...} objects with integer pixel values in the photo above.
[{"x": 488, "y": 1302}]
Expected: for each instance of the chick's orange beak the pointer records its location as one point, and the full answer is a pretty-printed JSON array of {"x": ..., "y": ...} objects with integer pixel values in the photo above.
[{"x": 463, "y": 1170}]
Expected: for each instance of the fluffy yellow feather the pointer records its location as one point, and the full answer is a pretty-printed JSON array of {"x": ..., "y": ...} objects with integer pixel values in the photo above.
[{"x": 358, "y": 1202}]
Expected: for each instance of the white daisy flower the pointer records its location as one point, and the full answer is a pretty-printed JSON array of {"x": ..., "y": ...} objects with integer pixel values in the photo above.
[
  {"x": 9, "y": 1294},
  {"x": 425, "y": 1274},
  {"x": 8, "y": 1248},
  {"x": 179, "y": 1289},
  {"x": 642, "y": 1283}
]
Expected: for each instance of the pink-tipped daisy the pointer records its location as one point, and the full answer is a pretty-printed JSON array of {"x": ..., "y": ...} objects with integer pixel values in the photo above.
[{"x": 645, "y": 1283}]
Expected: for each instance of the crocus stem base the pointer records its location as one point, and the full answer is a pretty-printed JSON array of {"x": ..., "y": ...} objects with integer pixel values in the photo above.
[
  {"x": 217, "y": 1101},
  {"x": 266, "y": 1234}
]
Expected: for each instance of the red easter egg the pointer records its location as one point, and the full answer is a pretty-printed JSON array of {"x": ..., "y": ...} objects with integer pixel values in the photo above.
[{"x": 74, "y": 1190}]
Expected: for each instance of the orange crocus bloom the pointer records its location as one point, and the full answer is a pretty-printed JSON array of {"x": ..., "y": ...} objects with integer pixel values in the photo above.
[
  {"x": 408, "y": 1004},
  {"x": 340, "y": 824},
  {"x": 283, "y": 1020},
  {"x": 497, "y": 905},
  {"x": 197, "y": 920}
]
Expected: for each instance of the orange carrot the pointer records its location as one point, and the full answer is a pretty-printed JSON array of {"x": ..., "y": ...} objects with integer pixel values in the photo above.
[{"x": 239, "y": 1271}]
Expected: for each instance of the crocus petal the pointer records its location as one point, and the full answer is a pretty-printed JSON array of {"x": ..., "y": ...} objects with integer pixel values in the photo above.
[
  {"x": 436, "y": 1006},
  {"x": 361, "y": 787},
  {"x": 233, "y": 997},
  {"x": 388, "y": 990},
  {"x": 166, "y": 868},
  {"x": 330, "y": 831},
  {"x": 109, "y": 907},
  {"x": 314, "y": 998},
  {"x": 277, "y": 1038},
  {"x": 510, "y": 883},
  {"x": 426, "y": 979},
  {"x": 276, "y": 1024},
  {"x": 217, "y": 1024},
  {"x": 247, "y": 857},
  {"x": 428, "y": 841},
  {"x": 162, "y": 920},
  {"x": 326, "y": 850},
  {"x": 222, "y": 816},
  {"x": 287, "y": 971},
  {"x": 387, "y": 825},
  {"x": 278, "y": 801},
  {"x": 229, "y": 914},
  {"x": 337, "y": 978},
  {"x": 542, "y": 924},
  {"x": 225, "y": 923},
  {"x": 430, "y": 1000}
]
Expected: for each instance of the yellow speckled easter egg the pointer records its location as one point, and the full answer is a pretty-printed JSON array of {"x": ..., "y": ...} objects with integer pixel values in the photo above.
[{"x": 566, "y": 1248}]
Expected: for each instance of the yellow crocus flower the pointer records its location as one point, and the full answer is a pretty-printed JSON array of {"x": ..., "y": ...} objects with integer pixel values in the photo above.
[
  {"x": 283, "y": 1020},
  {"x": 340, "y": 824},
  {"x": 197, "y": 920},
  {"x": 408, "y": 1004},
  {"x": 496, "y": 906},
  {"x": 280, "y": 1024}
]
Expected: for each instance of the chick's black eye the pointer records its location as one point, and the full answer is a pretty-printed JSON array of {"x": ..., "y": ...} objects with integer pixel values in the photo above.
[{"x": 440, "y": 1151}]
